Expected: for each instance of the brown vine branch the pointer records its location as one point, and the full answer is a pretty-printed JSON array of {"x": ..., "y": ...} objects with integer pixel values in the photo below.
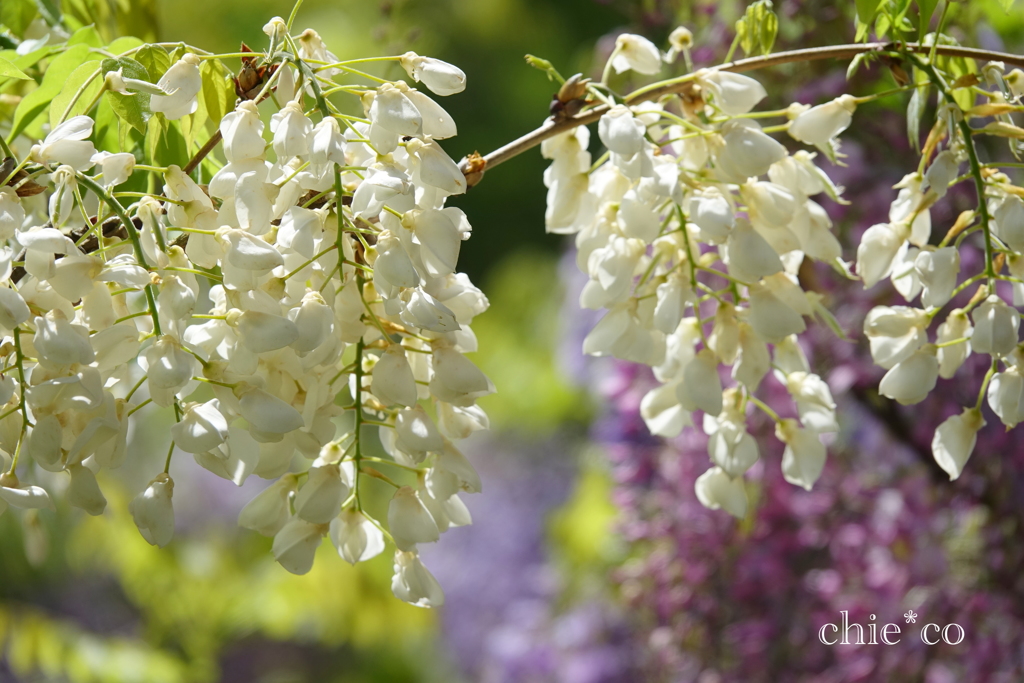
[{"x": 551, "y": 127}]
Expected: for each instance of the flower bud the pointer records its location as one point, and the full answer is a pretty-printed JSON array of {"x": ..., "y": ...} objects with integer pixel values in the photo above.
[
  {"x": 1008, "y": 222},
  {"x": 804, "y": 457},
  {"x": 818, "y": 125},
  {"x": 753, "y": 361},
  {"x": 734, "y": 94},
  {"x": 268, "y": 512},
  {"x": 296, "y": 543},
  {"x": 242, "y": 130},
  {"x": 911, "y": 380},
  {"x": 24, "y": 497},
  {"x": 937, "y": 270},
  {"x": 182, "y": 83},
  {"x": 59, "y": 343},
  {"x": 413, "y": 583},
  {"x": 711, "y": 212},
  {"x": 620, "y": 132},
  {"x": 951, "y": 357},
  {"x": 267, "y": 413},
  {"x": 320, "y": 498},
  {"x": 730, "y": 446},
  {"x": 954, "y": 440},
  {"x": 263, "y": 332},
  {"x": 681, "y": 38},
  {"x": 13, "y": 309},
  {"x": 635, "y": 53},
  {"x": 995, "y": 327},
  {"x": 701, "y": 388},
  {"x": 717, "y": 490},
  {"x": 202, "y": 428},
  {"x": 116, "y": 168},
  {"x": 152, "y": 511},
  {"x": 942, "y": 172},
  {"x": 877, "y": 250},
  {"x": 440, "y": 77},
  {"x": 169, "y": 368},
  {"x": 84, "y": 492},
  {"x": 1006, "y": 396},
  {"x": 409, "y": 520},
  {"x": 393, "y": 381},
  {"x": 456, "y": 379},
  {"x": 771, "y": 318},
  {"x": 662, "y": 413},
  {"x": 748, "y": 255},
  {"x": 68, "y": 144},
  {"x": 291, "y": 131},
  {"x": 895, "y": 333},
  {"x": 356, "y": 537},
  {"x": 814, "y": 401}
]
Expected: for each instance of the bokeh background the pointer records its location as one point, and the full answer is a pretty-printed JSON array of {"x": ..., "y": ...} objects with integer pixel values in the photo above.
[{"x": 589, "y": 560}]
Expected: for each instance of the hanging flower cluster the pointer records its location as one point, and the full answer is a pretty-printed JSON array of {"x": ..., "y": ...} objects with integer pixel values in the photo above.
[
  {"x": 987, "y": 321},
  {"x": 306, "y": 294},
  {"x": 692, "y": 229},
  {"x": 694, "y": 225}
]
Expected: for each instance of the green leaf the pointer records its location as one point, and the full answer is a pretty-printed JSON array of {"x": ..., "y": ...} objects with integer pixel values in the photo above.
[
  {"x": 882, "y": 26},
  {"x": 915, "y": 110},
  {"x": 132, "y": 109},
  {"x": 50, "y": 11},
  {"x": 769, "y": 31},
  {"x": 33, "y": 105},
  {"x": 218, "y": 91},
  {"x": 155, "y": 59},
  {"x": 866, "y": 11},
  {"x": 925, "y": 10},
  {"x": 122, "y": 45},
  {"x": 8, "y": 70},
  {"x": 77, "y": 96},
  {"x": 87, "y": 35},
  {"x": 1007, "y": 4},
  {"x": 165, "y": 145},
  {"x": 17, "y": 15}
]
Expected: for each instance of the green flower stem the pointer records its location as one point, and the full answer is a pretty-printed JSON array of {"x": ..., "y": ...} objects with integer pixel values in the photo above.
[
  {"x": 133, "y": 235},
  {"x": 972, "y": 154},
  {"x": 20, "y": 362}
]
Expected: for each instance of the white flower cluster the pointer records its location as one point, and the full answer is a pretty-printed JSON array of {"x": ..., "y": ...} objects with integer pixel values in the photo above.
[
  {"x": 692, "y": 229},
  {"x": 900, "y": 251},
  {"x": 318, "y": 264}
]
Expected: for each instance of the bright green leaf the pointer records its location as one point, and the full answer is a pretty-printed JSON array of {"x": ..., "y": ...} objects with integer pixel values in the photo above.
[
  {"x": 925, "y": 10},
  {"x": 122, "y": 45},
  {"x": 17, "y": 15},
  {"x": 866, "y": 11},
  {"x": 1007, "y": 4},
  {"x": 50, "y": 11},
  {"x": 218, "y": 91},
  {"x": 34, "y": 105},
  {"x": 155, "y": 59},
  {"x": 769, "y": 30},
  {"x": 132, "y": 109},
  {"x": 165, "y": 145},
  {"x": 79, "y": 91},
  {"x": 87, "y": 35},
  {"x": 915, "y": 110},
  {"x": 8, "y": 70}
]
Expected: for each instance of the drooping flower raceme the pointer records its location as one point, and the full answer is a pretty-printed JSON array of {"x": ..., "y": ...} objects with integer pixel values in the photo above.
[
  {"x": 692, "y": 233},
  {"x": 320, "y": 265},
  {"x": 693, "y": 230}
]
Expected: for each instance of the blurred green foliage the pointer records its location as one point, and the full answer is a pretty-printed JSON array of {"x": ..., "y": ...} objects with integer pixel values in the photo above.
[{"x": 518, "y": 337}]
